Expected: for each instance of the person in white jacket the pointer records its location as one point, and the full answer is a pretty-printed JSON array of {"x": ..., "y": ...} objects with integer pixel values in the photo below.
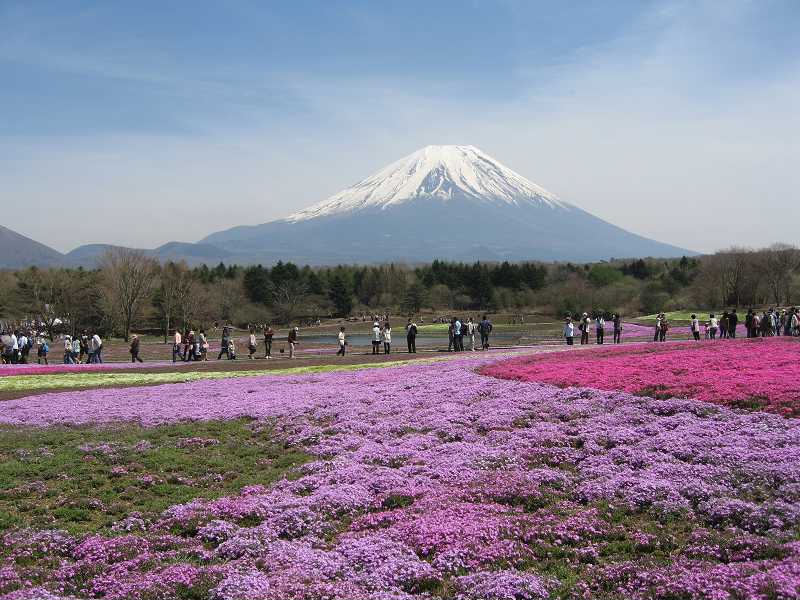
[
  {"x": 342, "y": 342},
  {"x": 569, "y": 331},
  {"x": 376, "y": 338}
]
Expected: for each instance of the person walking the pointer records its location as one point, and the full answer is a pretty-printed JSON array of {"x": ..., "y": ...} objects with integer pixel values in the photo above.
[
  {"x": 657, "y": 332},
  {"x": 695, "y": 328},
  {"x": 376, "y": 338},
  {"x": 748, "y": 322},
  {"x": 176, "y": 346},
  {"x": 342, "y": 342},
  {"x": 600, "y": 328},
  {"x": 569, "y": 331},
  {"x": 97, "y": 348},
  {"x": 225, "y": 343},
  {"x": 723, "y": 325},
  {"x": 231, "y": 348},
  {"x": 617, "y": 321},
  {"x": 269, "y": 333},
  {"x": 411, "y": 336},
  {"x": 252, "y": 347},
  {"x": 293, "y": 341},
  {"x": 77, "y": 344},
  {"x": 134, "y": 350},
  {"x": 458, "y": 335},
  {"x": 795, "y": 322},
  {"x": 485, "y": 329},
  {"x": 733, "y": 322},
  {"x": 386, "y": 337}
]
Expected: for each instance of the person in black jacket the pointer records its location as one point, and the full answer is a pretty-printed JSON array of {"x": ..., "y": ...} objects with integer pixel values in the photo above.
[
  {"x": 733, "y": 321},
  {"x": 411, "y": 336}
]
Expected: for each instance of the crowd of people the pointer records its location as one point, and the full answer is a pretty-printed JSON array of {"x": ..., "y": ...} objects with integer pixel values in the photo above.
[
  {"x": 17, "y": 345},
  {"x": 585, "y": 325}
]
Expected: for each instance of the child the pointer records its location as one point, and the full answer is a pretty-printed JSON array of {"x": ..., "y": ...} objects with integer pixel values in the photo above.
[{"x": 231, "y": 349}]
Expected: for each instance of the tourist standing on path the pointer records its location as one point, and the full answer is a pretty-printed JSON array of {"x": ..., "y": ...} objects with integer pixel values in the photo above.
[
  {"x": 694, "y": 327},
  {"x": 713, "y": 325},
  {"x": 188, "y": 346},
  {"x": 600, "y": 328},
  {"x": 657, "y": 332},
  {"x": 733, "y": 321},
  {"x": 293, "y": 341},
  {"x": 22, "y": 344},
  {"x": 485, "y": 329},
  {"x": 83, "y": 347},
  {"x": 252, "y": 347},
  {"x": 451, "y": 335},
  {"x": 569, "y": 331},
  {"x": 135, "y": 349},
  {"x": 342, "y": 342},
  {"x": 376, "y": 338},
  {"x": 723, "y": 325},
  {"x": 748, "y": 322},
  {"x": 664, "y": 328},
  {"x": 458, "y": 335},
  {"x": 96, "y": 345},
  {"x": 386, "y": 337},
  {"x": 176, "y": 346},
  {"x": 584, "y": 327},
  {"x": 202, "y": 342},
  {"x": 42, "y": 350},
  {"x": 68, "y": 351},
  {"x": 471, "y": 333},
  {"x": 617, "y": 321},
  {"x": 77, "y": 344},
  {"x": 224, "y": 343},
  {"x": 411, "y": 336},
  {"x": 269, "y": 333},
  {"x": 795, "y": 322}
]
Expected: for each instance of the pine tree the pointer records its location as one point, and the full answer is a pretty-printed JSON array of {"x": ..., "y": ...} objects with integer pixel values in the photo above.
[{"x": 340, "y": 296}]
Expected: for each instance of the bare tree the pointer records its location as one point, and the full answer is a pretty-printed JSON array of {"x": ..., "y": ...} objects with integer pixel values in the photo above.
[
  {"x": 173, "y": 294},
  {"x": 287, "y": 298},
  {"x": 780, "y": 260},
  {"x": 40, "y": 291},
  {"x": 129, "y": 277}
]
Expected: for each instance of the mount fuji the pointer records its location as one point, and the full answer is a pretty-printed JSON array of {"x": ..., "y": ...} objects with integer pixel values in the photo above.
[{"x": 445, "y": 202}]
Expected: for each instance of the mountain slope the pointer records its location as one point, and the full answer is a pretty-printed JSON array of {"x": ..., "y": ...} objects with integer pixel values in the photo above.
[
  {"x": 446, "y": 202},
  {"x": 17, "y": 251}
]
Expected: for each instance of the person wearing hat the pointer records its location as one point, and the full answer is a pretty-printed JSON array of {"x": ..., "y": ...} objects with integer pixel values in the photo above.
[{"x": 584, "y": 327}]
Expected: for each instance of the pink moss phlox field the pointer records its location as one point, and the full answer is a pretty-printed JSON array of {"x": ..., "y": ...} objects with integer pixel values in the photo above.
[
  {"x": 760, "y": 373},
  {"x": 432, "y": 481}
]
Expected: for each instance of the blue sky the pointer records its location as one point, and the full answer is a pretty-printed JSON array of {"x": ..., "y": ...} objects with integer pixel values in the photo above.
[{"x": 140, "y": 123}]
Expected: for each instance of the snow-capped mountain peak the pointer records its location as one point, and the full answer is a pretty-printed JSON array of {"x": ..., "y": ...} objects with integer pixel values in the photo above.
[{"x": 435, "y": 172}]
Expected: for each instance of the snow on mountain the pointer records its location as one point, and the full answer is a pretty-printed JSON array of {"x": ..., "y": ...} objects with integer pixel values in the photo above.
[{"x": 437, "y": 172}]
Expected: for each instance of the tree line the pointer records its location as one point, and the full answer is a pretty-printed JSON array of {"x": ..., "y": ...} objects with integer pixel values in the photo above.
[{"x": 129, "y": 290}]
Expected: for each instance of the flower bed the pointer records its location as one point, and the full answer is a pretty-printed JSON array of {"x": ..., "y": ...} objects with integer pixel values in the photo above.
[
  {"x": 755, "y": 374},
  {"x": 432, "y": 481}
]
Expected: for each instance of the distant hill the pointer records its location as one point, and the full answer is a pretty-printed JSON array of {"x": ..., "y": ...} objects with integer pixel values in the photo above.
[
  {"x": 441, "y": 202},
  {"x": 18, "y": 251}
]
